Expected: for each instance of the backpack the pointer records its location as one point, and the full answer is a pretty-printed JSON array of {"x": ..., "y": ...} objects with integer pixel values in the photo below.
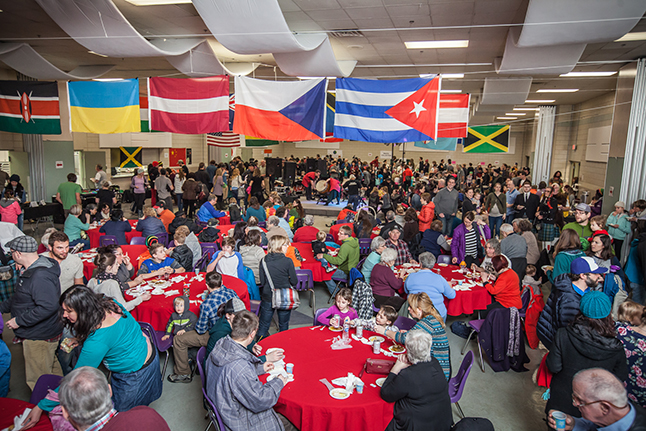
[
  {"x": 209, "y": 234},
  {"x": 234, "y": 213},
  {"x": 415, "y": 246}
]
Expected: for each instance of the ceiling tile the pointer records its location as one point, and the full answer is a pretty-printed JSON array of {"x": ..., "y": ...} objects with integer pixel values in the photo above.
[
  {"x": 367, "y": 12},
  {"x": 307, "y": 5},
  {"x": 373, "y": 23},
  {"x": 341, "y": 24},
  {"x": 356, "y": 3},
  {"x": 288, "y": 6},
  {"x": 464, "y": 9},
  {"x": 407, "y": 10},
  {"x": 412, "y": 21},
  {"x": 328, "y": 15}
]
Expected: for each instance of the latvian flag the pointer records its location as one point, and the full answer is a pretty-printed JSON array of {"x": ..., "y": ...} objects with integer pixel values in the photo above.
[
  {"x": 29, "y": 107},
  {"x": 223, "y": 139},
  {"x": 189, "y": 106}
]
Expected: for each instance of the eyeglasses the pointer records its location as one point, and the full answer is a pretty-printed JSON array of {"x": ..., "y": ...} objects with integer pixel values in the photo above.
[{"x": 578, "y": 403}]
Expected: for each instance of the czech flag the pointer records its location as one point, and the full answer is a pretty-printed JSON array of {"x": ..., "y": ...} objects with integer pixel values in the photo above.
[{"x": 281, "y": 111}]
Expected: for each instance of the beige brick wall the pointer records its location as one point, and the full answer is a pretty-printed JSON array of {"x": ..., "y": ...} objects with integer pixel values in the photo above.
[{"x": 11, "y": 141}]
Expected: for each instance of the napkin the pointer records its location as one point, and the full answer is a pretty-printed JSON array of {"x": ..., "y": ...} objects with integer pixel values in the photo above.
[
  {"x": 348, "y": 382},
  {"x": 339, "y": 344},
  {"x": 18, "y": 420},
  {"x": 178, "y": 278},
  {"x": 327, "y": 384},
  {"x": 171, "y": 293}
]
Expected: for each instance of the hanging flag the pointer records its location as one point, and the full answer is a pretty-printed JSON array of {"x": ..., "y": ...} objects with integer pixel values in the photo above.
[
  {"x": 402, "y": 110},
  {"x": 29, "y": 107},
  {"x": 175, "y": 155},
  {"x": 130, "y": 157},
  {"x": 440, "y": 144},
  {"x": 285, "y": 111},
  {"x": 232, "y": 110},
  {"x": 189, "y": 106},
  {"x": 250, "y": 141},
  {"x": 104, "y": 107},
  {"x": 453, "y": 117},
  {"x": 223, "y": 139},
  {"x": 143, "y": 114},
  {"x": 487, "y": 139},
  {"x": 330, "y": 108}
]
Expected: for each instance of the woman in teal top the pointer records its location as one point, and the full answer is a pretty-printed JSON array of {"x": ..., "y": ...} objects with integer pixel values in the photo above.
[
  {"x": 618, "y": 227},
  {"x": 377, "y": 245},
  {"x": 74, "y": 226},
  {"x": 566, "y": 250},
  {"x": 255, "y": 210},
  {"x": 109, "y": 334}
]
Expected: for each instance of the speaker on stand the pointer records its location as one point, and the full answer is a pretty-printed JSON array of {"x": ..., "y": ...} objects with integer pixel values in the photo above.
[{"x": 289, "y": 174}]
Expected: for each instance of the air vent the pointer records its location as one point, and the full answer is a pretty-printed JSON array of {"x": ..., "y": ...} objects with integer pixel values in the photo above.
[{"x": 345, "y": 33}]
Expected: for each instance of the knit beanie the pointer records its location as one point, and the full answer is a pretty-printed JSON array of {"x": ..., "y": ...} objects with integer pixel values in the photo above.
[{"x": 595, "y": 305}]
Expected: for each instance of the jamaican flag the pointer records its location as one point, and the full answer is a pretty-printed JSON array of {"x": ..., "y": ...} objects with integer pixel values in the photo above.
[
  {"x": 130, "y": 157},
  {"x": 487, "y": 139}
]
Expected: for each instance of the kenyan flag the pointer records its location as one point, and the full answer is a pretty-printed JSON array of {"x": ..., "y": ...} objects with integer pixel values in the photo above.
[{"x": 29, "y": 107}]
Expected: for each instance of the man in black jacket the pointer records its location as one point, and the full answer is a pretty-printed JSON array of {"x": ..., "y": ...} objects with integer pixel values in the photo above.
[
  {"x": 181, "y": 220},
  {"x": 601, "y": 398},
  {"x": 352, "y": 187},
  {"x": 34, "y": 308},
  {"x": 526, "y": 203}
]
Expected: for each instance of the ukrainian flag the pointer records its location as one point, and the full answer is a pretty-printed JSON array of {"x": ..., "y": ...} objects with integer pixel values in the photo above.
[{"x": 104, "y": 107}]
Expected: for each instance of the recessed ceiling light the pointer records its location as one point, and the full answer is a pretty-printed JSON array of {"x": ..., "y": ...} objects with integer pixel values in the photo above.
[
  {"x": 526, "y": 109},
  {"x": 557, "y": 90},
  {"x": 96, "y": 53},
  {"x": 436, "y": 44},
  {"x": 446, "y": 90},
  {"x": 541, "y": 101},
  {"x": 628, "y": 37},
  {"x": 506, "y": 118},
  {"x": 515, "y": 113},
  {"x": 587, "y": 74},
  {"x": 157, "y": 2}
]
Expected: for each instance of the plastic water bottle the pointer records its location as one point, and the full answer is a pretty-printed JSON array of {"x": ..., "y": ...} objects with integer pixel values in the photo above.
[
  {"x": 463, "y": 266},
  {"x": 346, "y": 332}
]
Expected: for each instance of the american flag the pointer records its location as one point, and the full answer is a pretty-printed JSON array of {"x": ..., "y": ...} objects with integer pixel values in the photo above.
[{"x": 223, "y": 139}]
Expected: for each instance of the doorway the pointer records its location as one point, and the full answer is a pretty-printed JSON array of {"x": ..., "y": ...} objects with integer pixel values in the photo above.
[{"x": 575, "y": 168}]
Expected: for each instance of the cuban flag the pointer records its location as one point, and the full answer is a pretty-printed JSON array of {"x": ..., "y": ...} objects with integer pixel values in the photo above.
[
  {"x": 403, "y": 110},
  {"x": 281, "y": 111}
]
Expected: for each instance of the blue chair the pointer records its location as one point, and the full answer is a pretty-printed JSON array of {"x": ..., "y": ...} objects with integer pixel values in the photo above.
[
  {"x": 457, "y": 382},
  {"x": 404, "y": 323},
  {"x": 107, "y": 240},
  {"x": 214, "y": 416},
  {"x": 138, "y": 240},
  {"x": 444, "y": 258}
]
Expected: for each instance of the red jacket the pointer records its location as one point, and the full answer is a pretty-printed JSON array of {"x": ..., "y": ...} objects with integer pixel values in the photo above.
[
  {"x": 506, "y": 290},
  {"x": 305, "y": 234},
  {"x": 426, "y": 216}
]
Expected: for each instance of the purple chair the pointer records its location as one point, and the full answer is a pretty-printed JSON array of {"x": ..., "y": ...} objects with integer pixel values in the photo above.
[
  {"x": 107, "y": 240},
  {"x": 202, "y": 263},
  {"x": 404, "y": 323},
  {"x": 457, "y": 382},
  {"x": 360, "y": 265},
  {"x": 44, "y": 383},
  {"x": 364, "y": 246},
  {"x": 329, "y": 238},
  {"x": 306, "y": 282},
  {"x": 476, "y": 326},
  {"x": 317, "y": 314},
  {"x": 154, "y": 337},
  {"x": 210, "y": 248},
  {"x": 527, "y": 296},
  {"x": 162, "y": 238},
  {"x": 254, "y": 306},
  {"x": 262, "y": 224},
  {"x": 340, "y": 221},
  {"x": 171, "y": 244},
  {"x": 338, "y": 279},
  {"x": 214, "y": 416},
  {"x": 444, "y": 258},
  {"x": 138, "y": 240}
]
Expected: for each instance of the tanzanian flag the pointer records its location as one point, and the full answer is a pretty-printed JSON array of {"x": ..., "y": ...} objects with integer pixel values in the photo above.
[
  {"x": 130, "y": 157},
  {"x": 29, "y": 107},
  {"x": 105, "y": 107},
  {"x": 487, "y": 139}
]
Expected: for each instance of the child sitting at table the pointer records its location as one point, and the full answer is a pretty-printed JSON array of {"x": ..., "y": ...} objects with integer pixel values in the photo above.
[
  {"x": 181, "y": 252},
  {"x": 529, "y": 282},
  {"x": 234, "y": 210},
  {"x": 385, "y": 317},
  {"x": 341, "y": 307},
  {"x": 182, "y": 319},
  {"x": 318, "y": 247}
]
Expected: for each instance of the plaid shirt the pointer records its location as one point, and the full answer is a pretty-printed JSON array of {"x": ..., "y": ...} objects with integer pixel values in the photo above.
[
  {"x": 403, "y": 254},
  {"x": 8, "y": 287},
  {"x": 209, "y": 308},
  {"x": 101, "y": 422}
]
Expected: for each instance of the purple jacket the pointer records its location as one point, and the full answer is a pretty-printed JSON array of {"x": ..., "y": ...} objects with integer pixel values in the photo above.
[{"x": 458, "y": 244}]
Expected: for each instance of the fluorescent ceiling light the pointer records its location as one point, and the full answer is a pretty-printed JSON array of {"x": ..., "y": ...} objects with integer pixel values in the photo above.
[
  {"x": 515, "y": 113},
  {"x": 157, "y": 2},
  {"x": 107, "y": 79},
  {"x": 526, "y": 109},
  {"x": 557, "y": 90},
  {"x": 506, "y": 118},
  {"x": 587, "y": 74},
  {"x": 446, "y": 90},
  {"x": 541, "y": 101},
  {"x": 96, "y": 53},
  {"x": 452, "y": 75},
  {"x": 436, "y": 44},
  {"x": 315, "y": 77},
  {"x": 628, "y": 37}
]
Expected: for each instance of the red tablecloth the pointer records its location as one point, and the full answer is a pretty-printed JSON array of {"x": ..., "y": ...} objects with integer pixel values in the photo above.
[
  {"x": 318, "y": 273},
  {"x": 94, "y": 234},
  {"x": 226, "y": 219},
  {"x": 158, "y": 309},
  {"x": 334, "y": 231},
  {"x": 131, "y": 250},
  {"x": 306, "y": 401},
  {"x": 10, "y": 408}
]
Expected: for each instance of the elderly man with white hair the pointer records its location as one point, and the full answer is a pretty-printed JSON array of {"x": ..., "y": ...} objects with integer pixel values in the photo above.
[
  {"x": 417, "y": 386},
  {"x": 86, "y": 402},
  {"x": 514, "y": 247},
  {"x": 602, "y": 400},
  {"x": 273, "y": 228},
  {"x": 308, "y": 232}
]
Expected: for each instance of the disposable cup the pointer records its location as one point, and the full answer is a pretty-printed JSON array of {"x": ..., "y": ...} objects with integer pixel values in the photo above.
[
  {"x": 289, "y": 368},
  {"x": 559, "y": 418}
]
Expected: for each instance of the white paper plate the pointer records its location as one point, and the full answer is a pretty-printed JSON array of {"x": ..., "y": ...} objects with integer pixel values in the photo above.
[
  {"x": 333, "y": 329},
  {"x": 157, "y": 292},
  {"x": 380, "y": 381},
  {"x": 442, "y": 264},
  {"x": 376, "y": 338},
  {"x": 274, "y": 349},
  {"x": 398, "y": 352},
  {"x": 339, "y": 394}
]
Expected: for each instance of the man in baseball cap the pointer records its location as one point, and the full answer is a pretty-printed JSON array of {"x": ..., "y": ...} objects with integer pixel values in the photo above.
[
  {"x": 34, "y": 308},
  {"x": 582, "y": 223},
  {"x": 563, "y": 304}
]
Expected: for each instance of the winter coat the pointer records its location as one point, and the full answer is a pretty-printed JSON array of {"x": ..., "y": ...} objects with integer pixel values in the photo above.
[
  {"x": 459, "y": 245},
  {"x": 577, "y": 348},
  {"x": 185, "y": 321},
  {"x": 184, "y": 256},
  {"x": 561, "y": 308},
  {"x": 182, "y": 221},
  {"x": 426, "y": 216},
  {"x": 10, "y": 210},
  {"x": 348, "y": 256}
]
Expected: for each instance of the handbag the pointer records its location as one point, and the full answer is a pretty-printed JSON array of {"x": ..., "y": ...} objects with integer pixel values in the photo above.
[
  {"x": 377, "y": 366},
  {"x": 285, "y": 298}
]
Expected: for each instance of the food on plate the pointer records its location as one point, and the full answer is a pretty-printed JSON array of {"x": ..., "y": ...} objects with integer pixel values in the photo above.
[
  {"x": 339, "y": 394},
  {"x": 333, "y": 329},
  {"x": 376, "y": 338},
  {"x": 396, "y": 348}
]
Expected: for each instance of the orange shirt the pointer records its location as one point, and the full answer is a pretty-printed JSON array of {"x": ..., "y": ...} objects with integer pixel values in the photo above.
[{"x": 166, "y": 217}]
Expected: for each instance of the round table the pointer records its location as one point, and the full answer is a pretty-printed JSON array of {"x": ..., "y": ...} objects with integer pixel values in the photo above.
[
  {"x": 465, "y": 301},
  {"x": 318, "y": 273},
  {"x": 134, "y": 251},
  {"x": 94, "y": 234},
  {"x": 158, "y": 309},
  {"x": 306, "y": 402},
  {"x": 334, "y": 230},
  {"x": 10, "y": 408}
]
